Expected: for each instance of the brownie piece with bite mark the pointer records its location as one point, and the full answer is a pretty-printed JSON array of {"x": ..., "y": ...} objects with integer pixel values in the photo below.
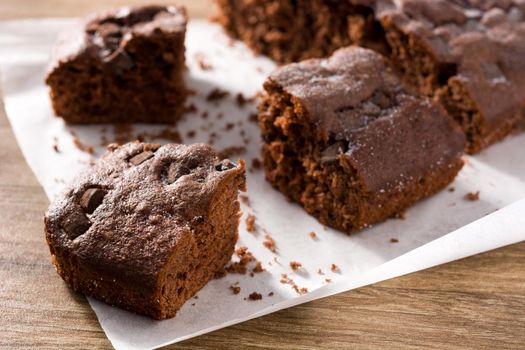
[
  {"x": 125, "y": 66},
  {"x": 343, "y": 138},
  {"x": 146, "y": 227}
]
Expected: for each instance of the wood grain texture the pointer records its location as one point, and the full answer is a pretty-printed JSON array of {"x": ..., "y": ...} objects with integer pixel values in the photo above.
[{"x": 475, "y": 303}]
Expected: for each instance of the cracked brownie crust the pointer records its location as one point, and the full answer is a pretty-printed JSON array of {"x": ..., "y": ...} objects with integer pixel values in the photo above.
[
  {"x": 147, "y": 226},
  {"x": 125, "y": 66},
  {"x": 347, "y": 142}
]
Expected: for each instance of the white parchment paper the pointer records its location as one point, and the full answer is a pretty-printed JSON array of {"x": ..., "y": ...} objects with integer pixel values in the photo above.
[{"x": 437, "y": 230}]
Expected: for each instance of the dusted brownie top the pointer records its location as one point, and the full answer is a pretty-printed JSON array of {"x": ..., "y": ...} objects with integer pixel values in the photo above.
[
  {"x": 482, "y": 44},
  {"x": 106, "y": 36},
  {"x": 138, "y": 203},
  {"x": 359, "y": 106}
]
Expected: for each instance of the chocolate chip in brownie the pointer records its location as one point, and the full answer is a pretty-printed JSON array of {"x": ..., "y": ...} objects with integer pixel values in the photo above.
[
  {"x": 141, "y": 157},
  {"x": 91, "y": 199},
  {"x": 76, "y": 224}
]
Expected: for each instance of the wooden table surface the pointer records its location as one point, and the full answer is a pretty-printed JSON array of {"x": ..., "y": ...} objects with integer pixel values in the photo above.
[{"x": 475, "y": 303}]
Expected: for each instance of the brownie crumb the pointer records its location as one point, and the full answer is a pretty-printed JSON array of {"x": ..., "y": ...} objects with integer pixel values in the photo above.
[
  {"x": 256, "y": 164},
  {"x": 394, "y": 240},
  {"x": 313, "y": 235},
  {"x": 245, "y": 199},
  {"x": 328, "y": 280},
  {"x": 203, "y": 64},
  {"x": 240, "y": 99},
  {"x": 255, "y": 296},
  {"x": 191, "y": 134},
  {"x": 217, "y": 95},
  {"x": 229, "y": 126},
  {"x": 320, "y": 272},
  {"x": 254, "y": 118},
  {"x": 451, "y": 189},
  {"x": 334, "y": 268},
  {"x": 79, "y": 145},
  {"x": 191, "y": 108},
  {"x": 472, "y": 196},
  {"x": 235, "y": 289},
  {"x": 55, "y": 145},
  {"x": 250, "y": 223},
  {"x": 295, "y": 265},
  {"x": 269, "y": 243},
  {"x": 258, "y": 267},
  {"x": 270, "y": 294},
  {"x": 204, "y": 115},
  {"x": 220, "y": 274}
]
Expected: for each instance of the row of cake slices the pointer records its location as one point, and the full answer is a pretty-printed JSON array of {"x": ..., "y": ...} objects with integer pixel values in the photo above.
[{"x": 148, "y": 226}]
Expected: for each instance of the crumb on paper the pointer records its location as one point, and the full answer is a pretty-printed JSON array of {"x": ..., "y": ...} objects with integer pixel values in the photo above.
[
  {"x": 245, "y": 199},
  {"x": 191, "y": 134},
  {"x": 269, "y": 243},
  {"x": 191, "y": 108},
  {"x": 82, "y": 147},
  {"x": 255, "y": 296},
  {"x": 328, "y": 280},
  {"x": 235, "y": 289},
  {"x": 394, "y": 240},
  {"x": 451, "y": 189},
  {"x": 250, "y": 223},
  {"x": 253, "y": 117},
  {"x": 334, "y": 268},
  {"x": 313, "y": 235},
  {"x": 217, "y": 95},
  {"x": 256, "y": 164},
  {"x": 270, "y": 294},
  {"x": 295, "y": 265},
  {"x": 320, "y": 271},
  {"x": 472, "y": 196},
  {"x": 258, "y": 267}
]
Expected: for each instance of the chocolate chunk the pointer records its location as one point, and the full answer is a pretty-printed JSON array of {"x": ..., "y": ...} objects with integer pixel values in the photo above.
[
  {"x": 332, "y": 152},
  {"x": 91, "y": 199},
  {"x": 224, "y": 165},
  {"x": 76, "y": 224},
  {"x": 141, "y": 157}
]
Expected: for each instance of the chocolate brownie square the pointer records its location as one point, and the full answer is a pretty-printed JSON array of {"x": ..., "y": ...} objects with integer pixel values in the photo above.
[
  {"x": 342, "y": 138},
  {"x": 469, "y": 54},
  {"x": 290, "y": 31},
  {"x": 122, "y": 67},
  {"x": 147, "y": 226}
]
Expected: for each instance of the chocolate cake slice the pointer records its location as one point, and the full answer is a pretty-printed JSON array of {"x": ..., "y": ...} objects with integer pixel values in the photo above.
[
  {"x": 146, "y": 227},
  {"x": 343, "y": 138},
  {"x": 467, "y": 54},
  {"x": 122, "y": 67}
]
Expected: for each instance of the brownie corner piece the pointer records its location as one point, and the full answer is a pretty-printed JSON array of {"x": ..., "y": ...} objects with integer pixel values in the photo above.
[
  {"x": 125, "y": 66},
  {"x": 468, "y": 55},
  {"x": 146, "y": 227},
  {"x": 343, "y": 139}
]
